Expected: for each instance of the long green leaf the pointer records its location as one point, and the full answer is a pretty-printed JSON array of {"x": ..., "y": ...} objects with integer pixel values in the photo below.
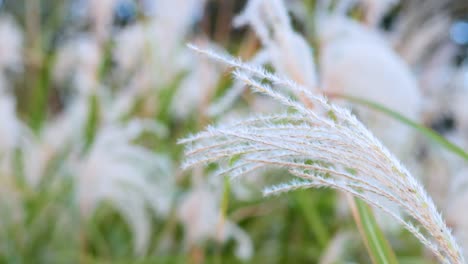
[
  {"x": 431, "y": 134},
  {"x": 377, "y": 245},
  {"x": 307, "y": 206}
]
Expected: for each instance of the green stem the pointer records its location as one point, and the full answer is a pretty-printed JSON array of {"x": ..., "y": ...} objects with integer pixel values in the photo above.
[
  {"x": 377, "y": 245},
  {"x": 92, "y": 121},
  {"x": 431, "y": 134},
  {"x": 312, "y": 217}
]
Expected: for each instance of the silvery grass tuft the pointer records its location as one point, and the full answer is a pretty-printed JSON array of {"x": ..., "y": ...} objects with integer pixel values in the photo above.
[{"x": 324, "y": 147}]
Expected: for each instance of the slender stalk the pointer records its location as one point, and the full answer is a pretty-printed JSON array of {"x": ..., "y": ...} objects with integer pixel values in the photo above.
[
  {"x": 312, "y": 216},
  {"x": 377, "y": 245}
]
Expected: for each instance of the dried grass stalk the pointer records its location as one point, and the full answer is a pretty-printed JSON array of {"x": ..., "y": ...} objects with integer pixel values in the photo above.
[{"x": 324, "y": 147}]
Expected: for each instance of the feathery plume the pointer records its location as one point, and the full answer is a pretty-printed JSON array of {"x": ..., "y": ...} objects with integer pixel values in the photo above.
[
  {"x": 11, "y": 46},
  {"x": 287, "y": 50},
  {"x": 101, "y": 15},
  {"x": 330, "y": 148},
  {"x": 128, "y": 176},
  {"x": 200, "y": 211},
  {"x": 344, "y": 43},
  {"x": 79, "y": 59},
  {"x": 284, "y": 48}
]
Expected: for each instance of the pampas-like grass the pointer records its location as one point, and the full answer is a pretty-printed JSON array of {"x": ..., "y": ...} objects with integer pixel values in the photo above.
[
  {"x": 129, "y": 177},
  {"x": 324, "y": 147}
]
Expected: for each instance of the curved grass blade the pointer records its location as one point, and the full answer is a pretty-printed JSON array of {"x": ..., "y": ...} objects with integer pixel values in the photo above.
[
  {"x": 431, "y": 134},
  {"x": 377, "y": 245}
]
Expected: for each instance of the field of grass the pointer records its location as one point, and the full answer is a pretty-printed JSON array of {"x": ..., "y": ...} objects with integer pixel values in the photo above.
[{"x": 225, "y": 131}]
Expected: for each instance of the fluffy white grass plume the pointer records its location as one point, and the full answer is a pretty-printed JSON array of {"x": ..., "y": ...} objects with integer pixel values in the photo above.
[
  {"x": 197, "y": 88},
  {"x": 344, "y": 45},
  {"x": 11, "y": 46},
  {"x": 331, "y": 150},
  {"x": 101, "y": 14},
  {"x": 134, "y": 180},
  {"x": 149, "y": 53},
  {"x": 13, "y": 134},
  {"x": 172, "y": 23},
  {"x": 200, "y": 214},
  {"x": 287, "y": 50},
  {"x": 78, "y": 61},
  {"x": 68, "y": 126},
  {"x": 129, "y": 177},
  {"x": 130, "y": 46},
  {"x": 235, "y": 91},
  {"x": 174, "y": 19},
  {"x": 10, "y": 127}
]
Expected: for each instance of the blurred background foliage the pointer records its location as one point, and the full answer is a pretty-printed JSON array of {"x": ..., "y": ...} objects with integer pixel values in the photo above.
[{"x": 43, "y": 220}]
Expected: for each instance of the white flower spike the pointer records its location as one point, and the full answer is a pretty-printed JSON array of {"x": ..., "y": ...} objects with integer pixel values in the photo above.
[{"x": 332, "y": 150}]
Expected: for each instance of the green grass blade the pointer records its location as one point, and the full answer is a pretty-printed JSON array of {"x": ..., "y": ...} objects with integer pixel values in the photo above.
[
  {"x": 431, "y": 134},
  {"x": 305, "y": 201},
  {"x": 377, "y": 245},
  {"x": 92, "y": 122}
]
